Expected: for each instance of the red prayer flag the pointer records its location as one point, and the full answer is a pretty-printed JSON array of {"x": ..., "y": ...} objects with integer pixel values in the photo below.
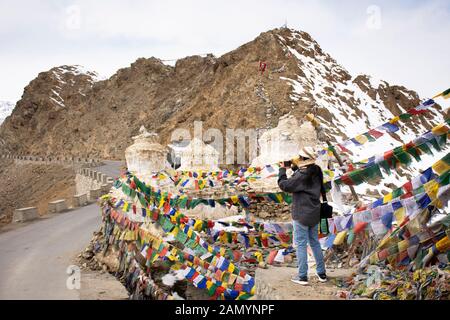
[
  {"x": 374, "y": 133},
  {"x": 163, "y": 252},
  {"x": 407, "y": 187},
  {"x": 343, "y": 149},
  {"x": 262, "y": 66},
  {"x": 346, "y": 180},
  {"x": 388, "y": 154}
]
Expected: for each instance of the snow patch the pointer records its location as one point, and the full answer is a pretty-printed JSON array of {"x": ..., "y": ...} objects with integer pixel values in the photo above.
[{"x": 6, "y": 108}]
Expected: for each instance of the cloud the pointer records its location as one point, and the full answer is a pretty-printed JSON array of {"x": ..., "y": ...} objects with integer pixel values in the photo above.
[{"x": 408, "y": 48}]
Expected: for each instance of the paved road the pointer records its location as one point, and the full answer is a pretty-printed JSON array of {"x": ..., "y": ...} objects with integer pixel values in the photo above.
[
  {"x": 34, "y": 258},
  {"x": 111, "y": 168}
]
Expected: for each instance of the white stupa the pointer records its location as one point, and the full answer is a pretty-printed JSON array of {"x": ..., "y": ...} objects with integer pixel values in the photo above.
[
  {"x": 198, "y": 156},
  {"x": 284, "y": 141},
  {"x": 146, "y": 155}
]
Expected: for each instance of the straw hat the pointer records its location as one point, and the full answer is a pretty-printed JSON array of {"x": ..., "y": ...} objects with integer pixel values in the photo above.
[{"x": 305, "y": 152}]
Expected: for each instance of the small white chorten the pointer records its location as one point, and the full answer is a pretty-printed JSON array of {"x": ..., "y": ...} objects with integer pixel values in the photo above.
[
  {"x": 198, "y": 156},
  {"x": 146, "y": 155},
  {"x": 284, "y": 141}
]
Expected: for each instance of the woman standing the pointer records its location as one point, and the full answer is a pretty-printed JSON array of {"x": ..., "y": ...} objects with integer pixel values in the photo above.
[{"x": 306, "y": 186}]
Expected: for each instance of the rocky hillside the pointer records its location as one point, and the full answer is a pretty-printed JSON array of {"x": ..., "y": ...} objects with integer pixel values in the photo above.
[{"x": 67, "y": 111}]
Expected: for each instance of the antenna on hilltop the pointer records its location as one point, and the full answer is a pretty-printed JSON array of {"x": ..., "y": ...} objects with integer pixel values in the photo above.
[{"x": 285, "y": 25}]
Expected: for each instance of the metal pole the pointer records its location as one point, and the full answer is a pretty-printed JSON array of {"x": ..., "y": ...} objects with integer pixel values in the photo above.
[
  {"x": 339, "y": 160},
  {"x": 310, "y": 117}
]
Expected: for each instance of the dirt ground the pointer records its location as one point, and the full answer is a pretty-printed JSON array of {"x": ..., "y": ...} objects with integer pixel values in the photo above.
[
  {"x": 30, "y": 185},
  {"x": 277, "y": 279},
  {"x": 97, "y": 285}
]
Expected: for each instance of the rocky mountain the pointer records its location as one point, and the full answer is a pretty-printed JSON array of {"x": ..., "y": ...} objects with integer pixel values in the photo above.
[
  {"x": 67, "y": 111},
  {"x": 6, "y": 108}
]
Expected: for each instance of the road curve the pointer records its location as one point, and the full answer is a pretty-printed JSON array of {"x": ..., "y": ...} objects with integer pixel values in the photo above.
[
  {"x": 34, "y": 258},
  {"x": 111, "y": 168}
]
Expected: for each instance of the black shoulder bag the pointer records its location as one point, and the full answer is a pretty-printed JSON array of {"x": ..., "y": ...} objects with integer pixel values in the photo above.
[{"x": 326, "y": 211}]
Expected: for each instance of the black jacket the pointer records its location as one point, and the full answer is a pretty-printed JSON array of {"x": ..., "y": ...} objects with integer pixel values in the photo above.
[{"x": 305, "y": 199}]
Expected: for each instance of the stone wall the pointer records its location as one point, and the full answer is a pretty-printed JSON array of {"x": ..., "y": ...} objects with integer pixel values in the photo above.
[
  {"x": 75, "y": 162},
  {"x": 88, "y": 179},
  {"x": 85, "y": 184},
  {"x": 271, "y": 211}
]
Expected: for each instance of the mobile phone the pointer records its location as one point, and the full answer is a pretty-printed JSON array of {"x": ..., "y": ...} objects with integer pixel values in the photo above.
[{"x": 287, "y": 163}]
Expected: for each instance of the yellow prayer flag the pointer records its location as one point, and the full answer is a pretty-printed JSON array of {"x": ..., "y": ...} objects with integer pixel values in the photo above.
[
  {"x": 394, "y": 119},
  {"x": 161, "y": 202},
  {"x": 387, "y": 198},
  {"x": 259, "y": 256},
  {"x": 340, "y": 237},
  {"x": 231, "y": 268},
  {"x": 279, "y": 197},
  {"x": 175, "y": 231},
  {"x": 251, "y": 240},
  {"x": 373, "y": 259},
  {"x": 235, "y": 199},
  {"x": 439, "y": 129},
  {"x": 443, "y": 244},
  {"x": 156, "y": 244},
  {"x": 432, "y": 189},
  {"x": 399, "y": 215},
  {"x": 440, "y": 167},
  {"x": 198, "y": 225},
  {"x": 361, "y": 139},
  {"x": 403, "y": 245}
]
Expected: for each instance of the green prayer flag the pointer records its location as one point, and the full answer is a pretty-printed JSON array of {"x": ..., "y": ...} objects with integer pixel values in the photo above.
[
  {"x": 369, "y": 137},
  {"x": 182, "y": 203},
  {"x": 425, "y": 148},
  {"x": 385, "y": 165},
  {"x": 435, "y": 144},
  {"x": 258, "y": 241},
  {"x": 191, "y": 244},
  {"x": 212, "y": 289},
  {"x": 403, "y": 157},
  {"x": 356, "y": 176},
  {"x": 414, "y": 152},
  {"x": 405, "y": 116},
  {"x": 167, "y": 225},
  {"x": 371, "y": 173},
  {"x": 445, "y": 178},
  {"x": 419, "y": 190},
  {"x": 287, "y": 197},
  {"x": 397, "y": 193},
  {"x": 181, "y": 236},
  {"x": 245, "y": 296}
]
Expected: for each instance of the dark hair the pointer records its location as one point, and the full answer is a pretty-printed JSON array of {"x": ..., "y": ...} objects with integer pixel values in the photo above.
[{"x": 313, "y": 171}]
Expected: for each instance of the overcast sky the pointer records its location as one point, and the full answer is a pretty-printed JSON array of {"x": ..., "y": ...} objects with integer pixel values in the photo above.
[{"x": 402, "y": 42}]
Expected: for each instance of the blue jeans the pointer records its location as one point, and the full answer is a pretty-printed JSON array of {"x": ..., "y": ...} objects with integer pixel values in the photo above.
[{"x": 303, "y": 235}]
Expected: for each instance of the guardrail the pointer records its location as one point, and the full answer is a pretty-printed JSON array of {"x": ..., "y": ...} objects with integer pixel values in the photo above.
[
  {"x": 88, "y": 162},
  {"x": 78, "y": 200}
]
